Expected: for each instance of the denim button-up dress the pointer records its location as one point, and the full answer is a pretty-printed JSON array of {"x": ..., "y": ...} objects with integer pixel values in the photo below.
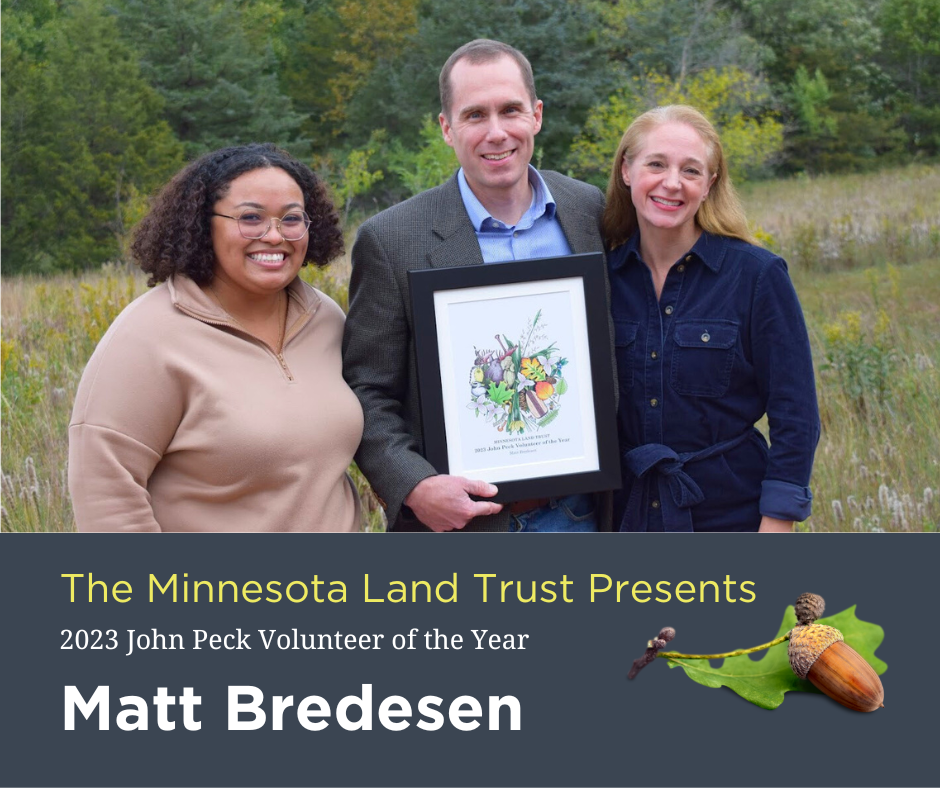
[{"x": 724, "y": 344}]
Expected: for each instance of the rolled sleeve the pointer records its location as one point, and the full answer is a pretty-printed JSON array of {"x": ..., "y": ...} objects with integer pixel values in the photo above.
[{"x": 785, "y": 501}]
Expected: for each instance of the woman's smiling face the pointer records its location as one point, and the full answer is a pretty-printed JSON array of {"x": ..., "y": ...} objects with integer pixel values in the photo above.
[
  {"x": 264, "y": 265},
  {"x": 669, "y": 178}
]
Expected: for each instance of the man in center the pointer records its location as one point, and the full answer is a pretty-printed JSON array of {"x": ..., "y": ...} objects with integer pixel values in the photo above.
[{"x": 495, "y": 209}]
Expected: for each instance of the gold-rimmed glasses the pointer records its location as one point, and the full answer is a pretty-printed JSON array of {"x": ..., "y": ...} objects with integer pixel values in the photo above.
[{"x": 254, "y": 225}]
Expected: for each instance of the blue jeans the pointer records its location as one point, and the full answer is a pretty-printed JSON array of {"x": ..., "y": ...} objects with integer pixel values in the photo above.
[{"x": 574, "y": 513}]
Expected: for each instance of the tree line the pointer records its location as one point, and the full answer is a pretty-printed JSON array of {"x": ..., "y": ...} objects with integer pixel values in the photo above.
[{"x": 104, "y": 99}]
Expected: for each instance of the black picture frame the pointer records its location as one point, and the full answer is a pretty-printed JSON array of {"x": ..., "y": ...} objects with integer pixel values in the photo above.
[{"x": 489, "y": 281}]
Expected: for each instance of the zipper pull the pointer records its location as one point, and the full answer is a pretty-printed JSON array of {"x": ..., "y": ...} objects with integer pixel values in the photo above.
[{"x": 283, "y": 363}]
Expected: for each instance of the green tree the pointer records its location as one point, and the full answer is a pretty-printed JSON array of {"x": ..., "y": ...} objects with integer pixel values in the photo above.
[
  {"x": 328, "y": 50},
  {"x": 83, "y": 139},
  {"x": 841, "y": 41},
  {"x": 371, "y": 31},
  {"x": 737, "y": 103},
  {"x": 355, "y": 177},
  {"x": 911, "y": 55},
  {"x": 676, "y": 39},
  {"x": 810, "y": 98},
  {"x": 218, "y": 88},
  {"x": 307, "y": 33},
  {"x": 558, "y": 36},
  {"x": 263, "y": 22},
  {"x": 840, "y": 37},
  {"x": 429, "y": 165}
]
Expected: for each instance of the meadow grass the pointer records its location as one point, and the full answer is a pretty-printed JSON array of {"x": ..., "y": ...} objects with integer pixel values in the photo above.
[
  {"x": 852, "y": 221},
  {"x": 876, "y": 343},
  {"x": 864, "y": 253}
]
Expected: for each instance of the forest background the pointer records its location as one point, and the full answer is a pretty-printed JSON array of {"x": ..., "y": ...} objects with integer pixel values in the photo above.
[{"x": 829, "y": 111}]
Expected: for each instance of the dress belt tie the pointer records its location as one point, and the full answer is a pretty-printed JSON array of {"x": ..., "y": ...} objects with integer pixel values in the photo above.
[{"x": 652, "y": 462}]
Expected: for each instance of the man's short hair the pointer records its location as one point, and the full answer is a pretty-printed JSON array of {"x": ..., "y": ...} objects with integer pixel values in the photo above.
[{"x": 484, "y": 50}]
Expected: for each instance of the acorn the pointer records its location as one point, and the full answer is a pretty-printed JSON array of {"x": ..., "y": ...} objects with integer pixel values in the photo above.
[{"x": 820, "y": 654}]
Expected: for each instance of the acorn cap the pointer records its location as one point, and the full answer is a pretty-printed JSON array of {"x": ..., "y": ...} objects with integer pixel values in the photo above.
[
  {"x": 809, "y": 607},
  {"x": 807, "y": 642}
]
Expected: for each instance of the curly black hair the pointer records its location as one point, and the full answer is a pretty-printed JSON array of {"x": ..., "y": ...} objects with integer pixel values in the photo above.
[{"x": 175, "y": 237}]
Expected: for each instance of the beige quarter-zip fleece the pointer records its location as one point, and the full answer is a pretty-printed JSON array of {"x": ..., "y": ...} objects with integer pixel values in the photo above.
[{"x": 183, "y": 422}]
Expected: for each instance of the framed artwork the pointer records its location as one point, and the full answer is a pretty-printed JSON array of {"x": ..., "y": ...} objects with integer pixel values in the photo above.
[{"x": 516, "y": 375}]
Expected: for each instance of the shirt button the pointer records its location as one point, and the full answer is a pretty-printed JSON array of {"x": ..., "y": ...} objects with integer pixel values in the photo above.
[
  {"x": 515, "y": 235},
  {"x": 655, "y": 504},
  {"x": 706, "y": 336},
  {"x": 688, "y": 258},
  {"x": 668, "y": 310},
  {"x": 654, "y": 354},
  {"x": 681, "y": 268},
  {"x": 654, "y": 402}
]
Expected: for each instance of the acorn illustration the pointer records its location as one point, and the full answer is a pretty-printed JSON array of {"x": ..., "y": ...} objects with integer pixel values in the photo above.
[{"x": 820, "y": 654}]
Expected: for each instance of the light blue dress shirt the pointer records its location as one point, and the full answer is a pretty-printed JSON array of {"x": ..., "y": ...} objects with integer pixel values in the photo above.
[{"x": 537, "y": 234}]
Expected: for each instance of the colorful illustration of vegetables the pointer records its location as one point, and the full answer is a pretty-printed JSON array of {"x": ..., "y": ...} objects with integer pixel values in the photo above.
[{"x": 518, "y": 387}]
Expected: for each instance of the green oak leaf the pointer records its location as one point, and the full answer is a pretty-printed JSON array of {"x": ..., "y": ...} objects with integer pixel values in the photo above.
[
  {"x": 499, "y": 395},
  {"x": 765, "y": 681}
]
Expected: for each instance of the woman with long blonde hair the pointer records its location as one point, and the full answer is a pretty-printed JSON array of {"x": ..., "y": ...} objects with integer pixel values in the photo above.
[{"x": 710, "y": 337}]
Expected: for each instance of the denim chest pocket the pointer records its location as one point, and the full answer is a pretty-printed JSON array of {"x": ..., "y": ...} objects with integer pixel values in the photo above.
[
  {"x": 703, "y": 357},
  {"x": 625, "y": 349}
]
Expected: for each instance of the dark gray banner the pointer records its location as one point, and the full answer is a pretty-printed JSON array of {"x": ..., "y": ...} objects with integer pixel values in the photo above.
[{"x": 254, "y": 682}]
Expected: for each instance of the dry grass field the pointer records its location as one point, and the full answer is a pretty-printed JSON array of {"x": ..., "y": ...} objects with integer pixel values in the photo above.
[{"x": 864, "y": 252}]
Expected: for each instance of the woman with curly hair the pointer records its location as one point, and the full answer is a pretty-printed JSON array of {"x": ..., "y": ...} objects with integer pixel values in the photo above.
[
  {"x": 709, "y": 338},
  {"x": 216, "y": 402}
]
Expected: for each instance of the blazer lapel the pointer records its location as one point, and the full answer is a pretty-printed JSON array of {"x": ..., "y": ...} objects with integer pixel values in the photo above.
[
  {"x": 458, "y": 240},
  {"x": 450, "y": 223},
  {"x": 580, "y": 229}
]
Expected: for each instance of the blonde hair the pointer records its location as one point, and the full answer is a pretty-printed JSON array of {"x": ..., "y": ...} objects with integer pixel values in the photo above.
[{"x": 720, "y": 214}]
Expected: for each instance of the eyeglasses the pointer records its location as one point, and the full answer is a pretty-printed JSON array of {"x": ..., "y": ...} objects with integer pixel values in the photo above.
[{"x": 254, "y": 225}]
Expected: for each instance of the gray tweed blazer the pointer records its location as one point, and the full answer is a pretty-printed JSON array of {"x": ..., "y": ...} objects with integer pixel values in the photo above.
[{"x": 430, "y": 230}]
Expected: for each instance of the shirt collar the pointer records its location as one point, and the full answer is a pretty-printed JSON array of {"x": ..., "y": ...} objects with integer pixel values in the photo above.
[
  {"x": 709, "y": 248},
  {"x": 197, "y": 302},
  {"x": 542, "y": 200}
]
